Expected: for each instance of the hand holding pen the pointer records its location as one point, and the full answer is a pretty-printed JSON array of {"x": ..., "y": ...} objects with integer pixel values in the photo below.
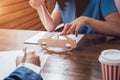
[{"x": 29, "y": 57}]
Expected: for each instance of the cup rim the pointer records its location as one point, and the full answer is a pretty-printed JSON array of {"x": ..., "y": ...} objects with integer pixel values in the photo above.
[{"x": 106, "y": 60}]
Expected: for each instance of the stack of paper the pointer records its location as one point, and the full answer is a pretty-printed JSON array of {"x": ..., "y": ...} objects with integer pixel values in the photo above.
[{"x": 34, "y": 39}]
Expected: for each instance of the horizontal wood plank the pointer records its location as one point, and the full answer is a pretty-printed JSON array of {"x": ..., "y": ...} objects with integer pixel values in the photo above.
[
  {"x": 13, "y": 8},
  {"x": 10, "y": 2},
  {"x": 18, "y": 14}
]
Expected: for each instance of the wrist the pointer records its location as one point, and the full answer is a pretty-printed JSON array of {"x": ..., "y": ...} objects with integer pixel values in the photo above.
[
  {"x": 86, "y": 20},
  {"x": 30, "y": 66}
]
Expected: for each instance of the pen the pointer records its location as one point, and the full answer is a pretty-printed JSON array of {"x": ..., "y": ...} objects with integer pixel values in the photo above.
[{"x": 25, "y": 50}]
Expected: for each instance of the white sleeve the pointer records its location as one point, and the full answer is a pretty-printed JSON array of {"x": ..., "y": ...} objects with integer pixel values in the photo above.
[
  {"x": 33, "y": 67},
  {"x": 57, "y": 7}
]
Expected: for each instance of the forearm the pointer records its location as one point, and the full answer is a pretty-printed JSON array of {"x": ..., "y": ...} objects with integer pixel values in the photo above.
[
  {"x": 104, "y": 27},
  {"x": 46, "y": 19}
]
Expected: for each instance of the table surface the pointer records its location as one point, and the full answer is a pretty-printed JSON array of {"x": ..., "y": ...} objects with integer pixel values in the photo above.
[{"x": 79, "y": 64}]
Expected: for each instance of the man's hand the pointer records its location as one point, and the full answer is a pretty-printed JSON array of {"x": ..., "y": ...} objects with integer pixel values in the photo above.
[{"x": 30, "y": 57}]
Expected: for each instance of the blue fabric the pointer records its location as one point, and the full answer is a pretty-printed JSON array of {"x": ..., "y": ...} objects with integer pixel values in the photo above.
[
  {"x": 23, "y": 73},
  {"x": 96, "y": 9}
]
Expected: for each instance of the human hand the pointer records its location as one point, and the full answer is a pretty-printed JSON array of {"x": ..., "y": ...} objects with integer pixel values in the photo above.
[
  {"x": 36, "y": 3},
  {"x": 73, "y": 27},
  {"x": 30, "y": 57}
]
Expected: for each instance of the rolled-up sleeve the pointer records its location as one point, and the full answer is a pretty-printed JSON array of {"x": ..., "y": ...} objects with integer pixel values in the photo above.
[{"x": 23, "y": 73}]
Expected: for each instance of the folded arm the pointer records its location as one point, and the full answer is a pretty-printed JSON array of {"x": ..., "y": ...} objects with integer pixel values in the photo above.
[{"x": 50, "y": 21}]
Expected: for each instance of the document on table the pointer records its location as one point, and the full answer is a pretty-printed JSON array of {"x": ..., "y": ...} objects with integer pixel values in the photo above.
[
  {"x": 8, "y": 61},
  {"x": 34, "y": 39}
]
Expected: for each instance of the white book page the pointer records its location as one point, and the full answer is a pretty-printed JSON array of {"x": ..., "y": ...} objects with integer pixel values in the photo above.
[
  {"x": 8, "y": 61},
  {"x": 34, "y": 39}
]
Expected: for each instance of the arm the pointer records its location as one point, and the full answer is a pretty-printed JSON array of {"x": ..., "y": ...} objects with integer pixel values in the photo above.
[
  {"x": 28, "y": 65},
  {"x": 111, "y": 25},
  {"x": 21, "y": 73},
  {"x": 49, "y": 21}
]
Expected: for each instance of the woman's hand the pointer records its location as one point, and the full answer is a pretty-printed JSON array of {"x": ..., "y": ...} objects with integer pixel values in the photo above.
[
  {"x": 30, "y": 57},
  {"x": 73, "y": 27},
  {"x": 36, "y": 3}
]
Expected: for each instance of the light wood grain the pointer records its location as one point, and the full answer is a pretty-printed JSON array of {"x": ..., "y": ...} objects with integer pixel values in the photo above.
[{"x": 18, "y": 14}]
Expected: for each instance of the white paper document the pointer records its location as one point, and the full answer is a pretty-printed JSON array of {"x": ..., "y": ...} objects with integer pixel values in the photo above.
[
  {"x": 34, "y": 39},
  {"x": 8, "y": 61}
]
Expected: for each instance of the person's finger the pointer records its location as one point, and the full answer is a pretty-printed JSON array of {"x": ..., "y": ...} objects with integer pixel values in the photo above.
[
  {"x": 39, "y": 2},
  {"x": 66, "y": 28},
  {"x": 34, "y": 3},
  {"x": 71, "y": 30},
  {"x": 76, "y": 29}
]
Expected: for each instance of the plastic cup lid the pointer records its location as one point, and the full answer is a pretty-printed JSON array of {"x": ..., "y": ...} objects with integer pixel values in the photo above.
[{"x": 110, "y": 56}]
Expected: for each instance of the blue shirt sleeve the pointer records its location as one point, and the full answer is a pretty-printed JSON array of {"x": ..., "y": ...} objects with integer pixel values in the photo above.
[
  {"x": 108, "y": 7},
  {"x": 23, "y": 73}
]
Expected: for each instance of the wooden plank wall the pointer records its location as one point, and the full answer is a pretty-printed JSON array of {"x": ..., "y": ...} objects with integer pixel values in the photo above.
[{"x": 17, "y": 14}]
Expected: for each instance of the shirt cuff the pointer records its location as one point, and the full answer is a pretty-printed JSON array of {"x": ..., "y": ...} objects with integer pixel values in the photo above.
[{"x": 30, "y": 66}]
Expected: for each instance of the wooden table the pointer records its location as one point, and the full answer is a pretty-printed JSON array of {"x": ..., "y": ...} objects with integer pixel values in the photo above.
[{"x": 80, "y": 64}]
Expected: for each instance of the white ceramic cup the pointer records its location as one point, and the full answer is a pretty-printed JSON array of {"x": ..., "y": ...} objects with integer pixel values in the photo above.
[{"x": 110, "y": 64}]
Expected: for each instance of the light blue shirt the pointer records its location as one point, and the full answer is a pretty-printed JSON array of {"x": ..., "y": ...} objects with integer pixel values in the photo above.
[{"x": 96, "y": 9}]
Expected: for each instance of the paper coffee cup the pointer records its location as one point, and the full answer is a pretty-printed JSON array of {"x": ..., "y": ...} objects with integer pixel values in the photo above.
[{"x": 110, "y": 64}]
